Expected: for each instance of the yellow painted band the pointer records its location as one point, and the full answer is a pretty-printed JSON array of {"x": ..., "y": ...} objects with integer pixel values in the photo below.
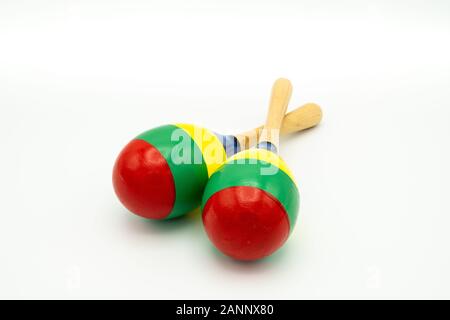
[
  {"x": 212, "y": 149},
  {"x": 264, "y": 155}
]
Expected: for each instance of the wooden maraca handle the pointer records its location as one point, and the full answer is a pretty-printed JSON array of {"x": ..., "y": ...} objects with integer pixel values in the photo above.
[
  {"x": 279, "y": 100},
  {"x": 304, "y": 117}
]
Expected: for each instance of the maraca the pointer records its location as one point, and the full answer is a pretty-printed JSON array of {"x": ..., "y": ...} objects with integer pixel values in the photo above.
[
  {"x": 250, "y": 203},
  {"x": 151, "y": 181}
]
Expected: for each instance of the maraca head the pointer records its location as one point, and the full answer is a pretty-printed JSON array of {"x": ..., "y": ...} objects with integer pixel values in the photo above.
[
  {"x": 162, "y": 173},
  {"x": 250, "y": 205}
]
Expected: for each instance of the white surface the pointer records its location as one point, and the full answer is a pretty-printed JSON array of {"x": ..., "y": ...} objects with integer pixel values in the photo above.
[{"x": 78, "y": 80}]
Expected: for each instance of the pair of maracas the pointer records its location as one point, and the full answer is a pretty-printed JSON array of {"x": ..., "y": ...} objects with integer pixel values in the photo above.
[{"x": 249, "y": 198}]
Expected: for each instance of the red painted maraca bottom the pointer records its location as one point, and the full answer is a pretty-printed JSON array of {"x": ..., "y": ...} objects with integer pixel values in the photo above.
[
  {"x": 143, "y": 181},
  {"x": 245, "y": 223}
]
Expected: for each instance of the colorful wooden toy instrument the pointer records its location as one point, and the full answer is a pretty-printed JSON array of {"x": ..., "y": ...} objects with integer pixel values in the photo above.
[
  {"x": 162, "y": 173},
  {"x": 250, "y": 203}
]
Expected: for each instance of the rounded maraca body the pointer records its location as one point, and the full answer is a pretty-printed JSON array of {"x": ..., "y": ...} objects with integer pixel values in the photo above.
[
  {"x": 162, "y": 173},
  {"x": 250, "y": 205}
]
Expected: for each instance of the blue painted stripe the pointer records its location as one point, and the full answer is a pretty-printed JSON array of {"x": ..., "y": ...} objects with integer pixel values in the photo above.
[
  {"x": 267, "y": 146},
  {"x": 230, "y": 144}
]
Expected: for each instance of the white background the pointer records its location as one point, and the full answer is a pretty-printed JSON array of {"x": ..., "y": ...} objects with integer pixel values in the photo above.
[{"x": 79, "y": 79}]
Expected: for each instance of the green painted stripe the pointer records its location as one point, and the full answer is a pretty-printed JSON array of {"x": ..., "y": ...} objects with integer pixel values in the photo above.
[
  {"x": 280, "y": 185},
  {"x": 213, "y": 151},
  {"x": 190, "y": 176}
]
